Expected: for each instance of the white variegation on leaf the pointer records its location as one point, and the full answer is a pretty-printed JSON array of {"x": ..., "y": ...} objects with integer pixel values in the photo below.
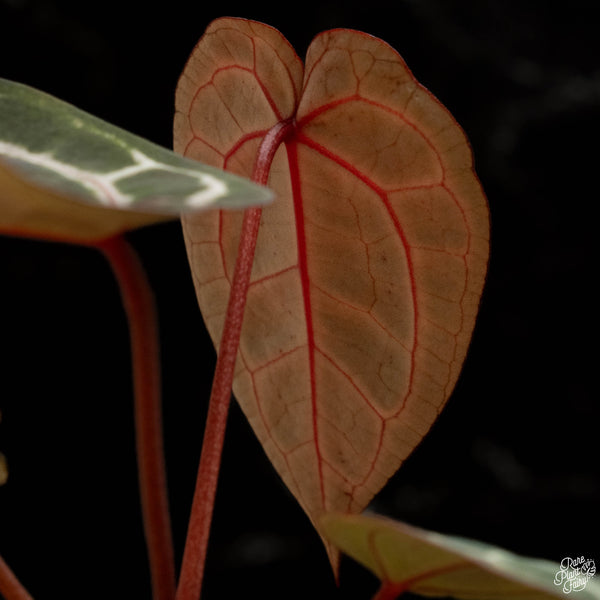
[{"x": 65, "y": 174}]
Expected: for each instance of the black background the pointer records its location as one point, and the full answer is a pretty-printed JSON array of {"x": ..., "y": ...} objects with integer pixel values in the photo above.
[{"x": 513, "y": 459}]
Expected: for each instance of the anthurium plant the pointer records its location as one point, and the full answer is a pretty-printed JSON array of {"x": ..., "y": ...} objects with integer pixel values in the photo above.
[{"x": 337, "y": 237}]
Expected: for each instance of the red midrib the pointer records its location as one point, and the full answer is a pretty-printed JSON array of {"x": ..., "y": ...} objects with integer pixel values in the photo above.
[{"x": 292, "y": 150}]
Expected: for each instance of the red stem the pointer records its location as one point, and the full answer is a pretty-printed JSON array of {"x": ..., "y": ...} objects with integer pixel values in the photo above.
[
  {"x": 194, "y": 556},
  {"x": 138, "y": 301},
  {"x": 10, "y": 587},
  {"x": 192, "y": 568}
]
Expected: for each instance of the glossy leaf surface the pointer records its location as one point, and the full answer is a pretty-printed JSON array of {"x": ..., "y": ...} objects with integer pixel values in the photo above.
[
  {"x": 369, "y": 264},
  {"x": 433, "y": 564},
  {"x": 63, "y": 173}
]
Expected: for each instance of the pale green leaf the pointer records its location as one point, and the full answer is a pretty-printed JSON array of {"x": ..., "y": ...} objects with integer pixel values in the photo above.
[
  {"x": 432, "y": 564},
  {"x": 66, "y": 174}
]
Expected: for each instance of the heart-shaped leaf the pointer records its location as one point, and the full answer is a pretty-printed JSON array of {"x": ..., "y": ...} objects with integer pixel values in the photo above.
[
  {"x": 63, "y": 173},
  {"x": 407, "y": 558},
  {"x": 369, "y": 265}
]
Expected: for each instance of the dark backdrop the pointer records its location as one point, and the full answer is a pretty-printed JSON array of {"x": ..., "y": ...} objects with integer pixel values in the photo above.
[{"x": 513, "y": 459}]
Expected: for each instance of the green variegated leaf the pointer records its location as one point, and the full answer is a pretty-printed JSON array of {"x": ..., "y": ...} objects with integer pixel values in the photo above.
[
  {"x": 431, "y": 564},
  {"x": 63, "y": 172}
]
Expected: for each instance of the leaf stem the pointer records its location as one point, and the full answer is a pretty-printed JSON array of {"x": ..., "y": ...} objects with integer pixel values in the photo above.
[
  {"x": 138, "y": 301},
  {"x": 194, "y": 556},
  {"x": 10, "y": 587},
  {"x": 192, "y": 569}
]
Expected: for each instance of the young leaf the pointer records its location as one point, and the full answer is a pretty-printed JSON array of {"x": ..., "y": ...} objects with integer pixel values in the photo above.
[
  {"x": 369, "y": 265},
  {"x": 407, "y": 558},
  {"x": 63, "y": 173}
]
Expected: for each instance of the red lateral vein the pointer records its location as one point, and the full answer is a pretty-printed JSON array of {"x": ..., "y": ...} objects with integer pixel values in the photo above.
[
  {"x": 378, "y": 175},
  {"x": 195, "y": 138},
  {"x": 351, "y": 381},
  {"x": 217, "y": 71},
  {"x": 410, "y": 581},
  {"x": 262, "y": 86},
  {"x": 275, "y": 360},
  {"x": 375, "y": 457},
  {"x": 303, "y": 121},
  {"x": 243, "y": 139},
  {"x": 284, "y": 454},
  {"x": 304, "y": 139},
  {"x": 366, "y": 311},
  {"x": 273, "y": 275}
]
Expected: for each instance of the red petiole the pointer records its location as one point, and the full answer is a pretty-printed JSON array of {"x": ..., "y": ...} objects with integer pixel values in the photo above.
[
  {"x": 138, "y": 301},
  {"x": 141, "y": 313},
  {"x": 139, "y": 306},
  {"x": 192, "y": 569},
  {"x": 10, "y": 587}
]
